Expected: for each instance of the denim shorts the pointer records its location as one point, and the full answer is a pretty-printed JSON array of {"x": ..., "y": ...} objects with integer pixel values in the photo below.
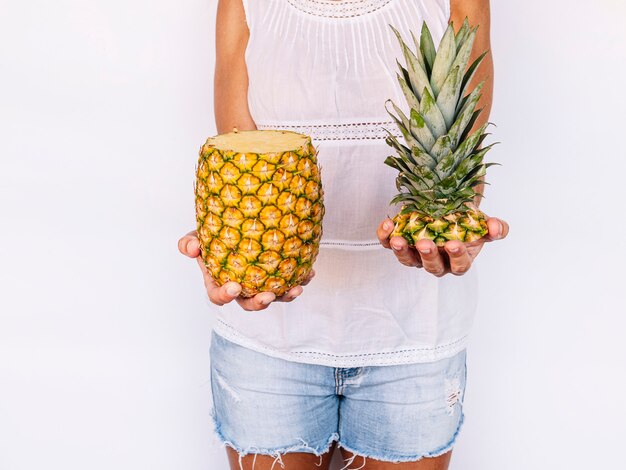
[{"x": 395, "y": 413}]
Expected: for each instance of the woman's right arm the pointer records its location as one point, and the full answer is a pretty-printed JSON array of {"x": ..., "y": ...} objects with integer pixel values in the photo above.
[
  {"x": 231, "y": 74},
  {"x": 231, "y": 110}
]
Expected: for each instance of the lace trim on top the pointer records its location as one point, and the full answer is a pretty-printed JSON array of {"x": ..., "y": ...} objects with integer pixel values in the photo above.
[
  {"x": 351, "y": 131},
  {"x": 338, "y": 8}
]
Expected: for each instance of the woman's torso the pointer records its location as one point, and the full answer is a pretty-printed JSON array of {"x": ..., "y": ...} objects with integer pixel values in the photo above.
[{"x": 326, "y": 68}]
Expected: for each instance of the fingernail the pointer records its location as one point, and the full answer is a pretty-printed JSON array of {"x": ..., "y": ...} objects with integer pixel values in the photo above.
[
  {"x": 233, "y": 290},
  {"x": 454, "y": 249},
  {"x": 267, "y": 300},
  {"x": 387, "y": 225},
  {"x": 500, "y": 229},
  {"x": 396, "y": 246},
  {"x": 425, "y": 251}
]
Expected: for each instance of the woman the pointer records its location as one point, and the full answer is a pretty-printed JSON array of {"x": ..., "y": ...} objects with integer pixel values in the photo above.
[{"x": 371, "y": 358}]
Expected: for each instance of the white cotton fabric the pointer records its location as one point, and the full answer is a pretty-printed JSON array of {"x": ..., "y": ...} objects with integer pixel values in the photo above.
[{"x": 326, "y": 68}]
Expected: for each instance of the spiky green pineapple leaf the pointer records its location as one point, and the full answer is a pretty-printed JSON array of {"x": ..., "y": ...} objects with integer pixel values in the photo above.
[
  {"x": 460, "y": 36},
  {"x": 420, "y": 130},
  {"x": 462, "y": 171},
  {"x": 392, "y": 141},
  {"x": 403, "y": 126},
  {"x": 465, "y": 193},
  {"x": 404, "y": 73},
  {"x": 419, "y": 55},
  {"x": 427, "y": 176},
  {"x": 482, "y": 138},
  {"x": 469, "y": 144},
  {"x": 397, "y": 164},
  {"x": 442, "y": 164},
  {"x": 418, "y": 80},
  {"x": 427, "y": 47},
  {"x": 408, "y": 138},
  {"x": 476, "y": 92},
  {"x": 422, "y": 158},
  {"x": 443, "y": 60},
  {"x": 464, "y": 116},
  {"x": 405, "y": 198},
  {"x": 470, "y": 125},
  {"x": 463, "y": 55},
  {"x": 432, "y": 115},
  {"x": 455, "y": 206},
  {"x": 450, "y": 164},
  {"x": 442, "y": 145},
  {"x": 405, "y": 50},
  {"x": 479, "y": 171},
  {"x": 471, "y": 183},
  {"x": 410, "y": 97},
  {"x": 405, "y": 183},
  {"x": 414, "y": 185},
  {"x": 454, "y": 203},
  {"x": 449, "y": 95},
  {"x": 445, "y": 165},
  {"x": 469, "y": 74},
  {"x": 403, "y": 117},
  {"x": 417, "y": 76},
  {"x": 398, "y": 198}
]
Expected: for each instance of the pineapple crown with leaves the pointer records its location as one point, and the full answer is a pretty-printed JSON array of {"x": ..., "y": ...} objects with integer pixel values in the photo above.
[{"x": 441, "y": 162}]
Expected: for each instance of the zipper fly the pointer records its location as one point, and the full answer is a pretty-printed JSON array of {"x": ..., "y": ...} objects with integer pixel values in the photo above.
[{"x": 345, "y": 376}]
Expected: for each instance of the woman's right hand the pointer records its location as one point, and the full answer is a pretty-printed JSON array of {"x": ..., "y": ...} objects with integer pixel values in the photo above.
[{"x": 189, "y": 245}]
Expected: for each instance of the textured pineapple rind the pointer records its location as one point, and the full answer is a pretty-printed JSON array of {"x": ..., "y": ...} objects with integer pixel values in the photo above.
[
  {"x": 463, "y": 226},
  {"x": 259, "y": 216}
]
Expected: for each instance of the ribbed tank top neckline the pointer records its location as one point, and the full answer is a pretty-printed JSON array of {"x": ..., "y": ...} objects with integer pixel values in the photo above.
[{"x": 338, "y": 8}]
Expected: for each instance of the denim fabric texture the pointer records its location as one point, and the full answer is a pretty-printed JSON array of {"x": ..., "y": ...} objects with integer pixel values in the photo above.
[{"x": 396, "y": 413}]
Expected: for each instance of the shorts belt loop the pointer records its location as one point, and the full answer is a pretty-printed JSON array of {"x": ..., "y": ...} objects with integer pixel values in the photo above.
[{"x": 338, "y": 381}]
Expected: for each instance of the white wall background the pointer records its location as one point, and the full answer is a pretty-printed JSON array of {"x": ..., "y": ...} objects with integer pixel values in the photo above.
[{"x": 104, "y": 330}]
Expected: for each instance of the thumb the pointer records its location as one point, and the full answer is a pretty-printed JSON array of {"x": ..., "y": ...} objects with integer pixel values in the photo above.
[{"x": 189, "y": 245}]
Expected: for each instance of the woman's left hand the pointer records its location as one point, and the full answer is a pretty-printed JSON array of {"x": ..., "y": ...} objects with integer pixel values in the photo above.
[{"x": 454, "y": 257}]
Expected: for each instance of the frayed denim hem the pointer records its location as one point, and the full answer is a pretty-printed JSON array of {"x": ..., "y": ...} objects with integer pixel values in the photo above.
[
  {"x": 276, "y": 453},
  {"x": 389, "y": 457},
  {"x": 304, "y": 447}
]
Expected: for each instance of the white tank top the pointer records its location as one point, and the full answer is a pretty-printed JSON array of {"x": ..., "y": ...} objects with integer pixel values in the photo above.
[{"x": 326, "y": 68}]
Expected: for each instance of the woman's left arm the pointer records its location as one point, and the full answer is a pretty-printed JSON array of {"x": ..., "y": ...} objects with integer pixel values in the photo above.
[
  {"x": 478, "y": 13},
  {"x": 456, "y": 257}
]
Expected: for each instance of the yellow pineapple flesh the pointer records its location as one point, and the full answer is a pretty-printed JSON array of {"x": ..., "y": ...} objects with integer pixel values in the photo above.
[{"x": 259, "y": 209}]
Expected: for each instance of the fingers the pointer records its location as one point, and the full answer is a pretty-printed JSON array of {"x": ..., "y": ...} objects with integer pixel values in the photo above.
[
  {"x": 405, "y": 254},
  {"x": 295, "y": 291},
  {"x": 189, "y": 245},
  {"x": 259, "y": 302},
  {"x": 220, "y": 295},
  {"x": 459, "y": 258},
  {"x": 308, "y": 278},
  {"x": 383, "y": 232},
  {"x": 262, "y": 300},
  {"x": 498, "y": 228},
  {"x": 432, "y": 260},
  {"x": 291, "y": 294},
  {"x": 203, "y": 268}
]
